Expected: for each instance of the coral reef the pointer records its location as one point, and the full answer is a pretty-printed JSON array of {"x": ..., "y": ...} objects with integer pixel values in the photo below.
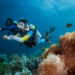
[
  {"x": 3, "y": 58},
  {"x": 5, "y": 68},
  {"x": 18, "y": 65},
  {"x": 60, "y": 58}
]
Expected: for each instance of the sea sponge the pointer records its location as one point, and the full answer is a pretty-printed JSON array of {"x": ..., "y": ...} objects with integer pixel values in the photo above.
[
  {"x": 52, "y": 65},
  {"x": 65, "y": 48}
]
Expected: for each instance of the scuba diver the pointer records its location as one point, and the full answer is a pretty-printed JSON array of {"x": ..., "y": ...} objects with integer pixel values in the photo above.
[{"x": 29, "y": 35}]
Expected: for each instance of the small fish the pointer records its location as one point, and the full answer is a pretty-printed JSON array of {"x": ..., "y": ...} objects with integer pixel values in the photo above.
[
  {"x": 68, "y": 25},
  {"x": 49, "y": 42},
  {"x": 43, "y": 49}
]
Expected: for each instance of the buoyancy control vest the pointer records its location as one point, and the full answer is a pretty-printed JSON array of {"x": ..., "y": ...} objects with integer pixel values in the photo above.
[{"x": 32, "y": 41}]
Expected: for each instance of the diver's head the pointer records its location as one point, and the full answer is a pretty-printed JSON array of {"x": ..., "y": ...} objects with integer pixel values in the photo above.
[
  {"x": 24, "y": 21},
  {"x": 22, "y": 24},
  {"x": 9, "y": 21}
]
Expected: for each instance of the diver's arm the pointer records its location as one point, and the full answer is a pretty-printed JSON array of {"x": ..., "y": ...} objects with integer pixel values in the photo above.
[
  {"x": 8, "y": 28},
  {"x": 5, "y": 37},
  {"x": 17, "y": 35},
  {"x": 24, "y": 38},
  {"x": 10, "y": 37}
]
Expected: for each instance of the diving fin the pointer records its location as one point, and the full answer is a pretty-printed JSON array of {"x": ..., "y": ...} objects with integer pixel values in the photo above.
[
  {"x": 46, "y": 33},
  {"x": 52, "y": 28}
]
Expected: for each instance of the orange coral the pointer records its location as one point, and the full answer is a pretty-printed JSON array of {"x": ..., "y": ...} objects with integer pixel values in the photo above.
[{"x": 66, "y": 50}]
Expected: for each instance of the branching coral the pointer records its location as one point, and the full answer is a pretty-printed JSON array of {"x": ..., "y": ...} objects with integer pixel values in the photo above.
[
  {"x": 5, "y": 68},
  {"x": 18, "y": 65},
  {"x": 3, "y": 58}
]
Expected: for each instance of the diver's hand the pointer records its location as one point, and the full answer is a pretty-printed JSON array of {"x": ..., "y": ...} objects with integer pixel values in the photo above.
[
  {"x": 11, "y": 37},
  {"x": 5, "y": 37}
]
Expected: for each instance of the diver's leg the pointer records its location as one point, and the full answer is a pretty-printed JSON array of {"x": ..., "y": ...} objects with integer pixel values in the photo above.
[
  {"x": 41, "y": 41},
  {"x": 47, "y": 38},
  {"x": 38, "y": 34},
  {"x": 50, "y": 33},
  {"x": 45, "y": 35}
]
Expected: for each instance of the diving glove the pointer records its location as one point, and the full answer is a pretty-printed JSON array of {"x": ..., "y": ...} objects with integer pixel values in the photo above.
[{"x": 5, "y": 37}]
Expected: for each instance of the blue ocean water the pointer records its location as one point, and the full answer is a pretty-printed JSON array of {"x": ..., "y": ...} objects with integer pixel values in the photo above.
[{"x": 43, "y": 14}]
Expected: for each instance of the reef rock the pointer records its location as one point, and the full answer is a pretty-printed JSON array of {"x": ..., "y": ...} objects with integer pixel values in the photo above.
[{"x": 60, "y": 58}]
